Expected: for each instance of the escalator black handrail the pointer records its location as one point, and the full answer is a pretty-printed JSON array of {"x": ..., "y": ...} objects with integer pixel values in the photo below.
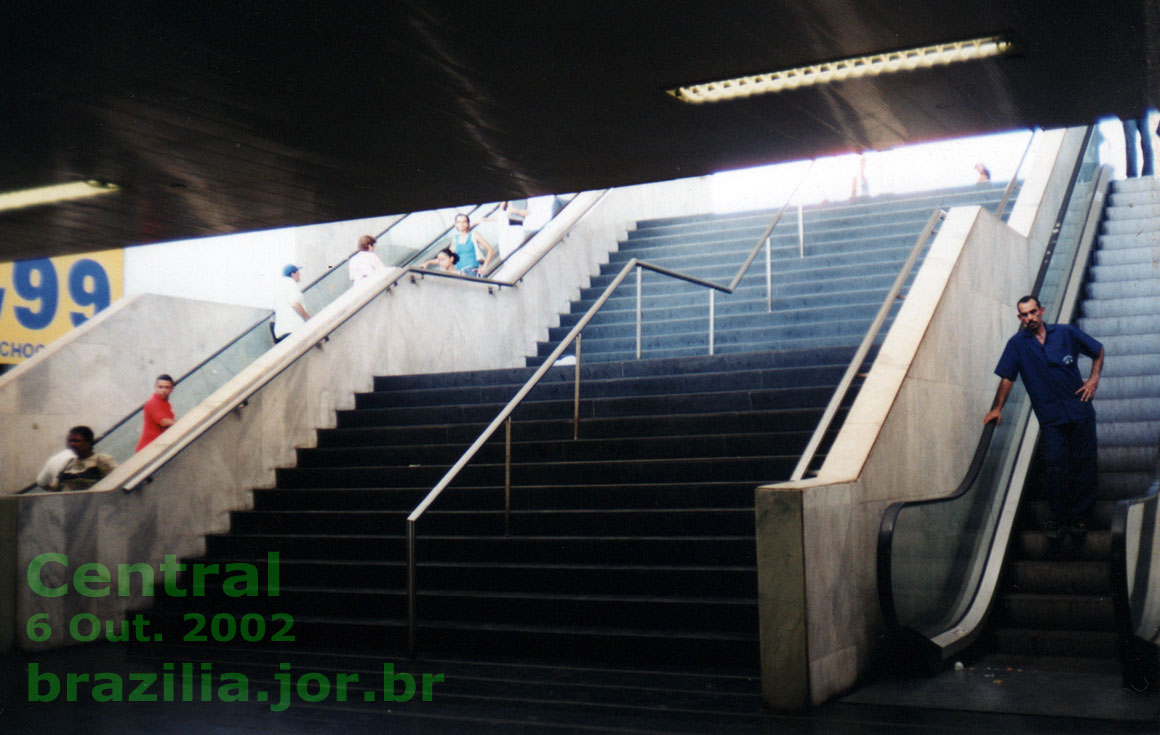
[
  {"x": 1121, "y": 591},
  {"x": 145, "y": 474},
  {"x": 887, "y": 526},
  {"x": 241, "y": 335},
  {"x": 408, "y": 263}
]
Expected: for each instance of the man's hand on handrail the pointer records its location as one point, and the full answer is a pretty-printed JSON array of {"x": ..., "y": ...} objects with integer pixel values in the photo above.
[{"x": 996, "y": 412}]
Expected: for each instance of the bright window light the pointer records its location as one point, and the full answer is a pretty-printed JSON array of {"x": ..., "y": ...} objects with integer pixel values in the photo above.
[
  {"x": 837, "y": 71},
  {"x": 52, "y": 194}
]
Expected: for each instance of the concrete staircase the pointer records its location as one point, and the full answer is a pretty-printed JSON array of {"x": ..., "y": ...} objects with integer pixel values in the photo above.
[{"x": 631, "y": 547}]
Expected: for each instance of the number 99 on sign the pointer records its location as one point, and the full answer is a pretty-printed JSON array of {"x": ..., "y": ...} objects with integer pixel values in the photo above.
[{"x": 42, "y": 298}]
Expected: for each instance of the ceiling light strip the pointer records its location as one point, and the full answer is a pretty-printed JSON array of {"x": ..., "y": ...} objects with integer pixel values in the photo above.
[
  {"x": 54, "y": 194},
  {"x": 891, "y": 62}
]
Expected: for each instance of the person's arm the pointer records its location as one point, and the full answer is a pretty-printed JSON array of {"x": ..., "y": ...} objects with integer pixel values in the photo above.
[
  {"x": 154, "y": 413},
  {"x": 488, "y": 249},
  {"x": 1088, "y": 389},
  {"x": 106, "y": 464},
  {"x": 52, "y": 468},
  {"x": 996, "y": 412},
  {"x": 47, "y": 477},
  {"x": 298, "y": 307}
]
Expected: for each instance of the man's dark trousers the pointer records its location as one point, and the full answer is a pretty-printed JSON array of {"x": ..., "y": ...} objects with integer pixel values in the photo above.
[{"x": 1069, "y": 452}]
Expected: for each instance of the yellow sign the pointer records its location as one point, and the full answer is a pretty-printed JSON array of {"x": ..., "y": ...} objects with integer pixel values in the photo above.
[{"x": 42, "y": 299}]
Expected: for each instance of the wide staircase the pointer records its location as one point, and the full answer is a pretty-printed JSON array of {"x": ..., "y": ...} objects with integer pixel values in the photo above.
[
  {"x": 628, "y": 549},
  {"x": 828, "y": 279},
  {"x": 1056, "y": 609}
]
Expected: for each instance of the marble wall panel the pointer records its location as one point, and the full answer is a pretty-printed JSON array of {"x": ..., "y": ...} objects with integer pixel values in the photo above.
[
  {"x": 782, "y": 599},
  {"x": 102, "y": 371}
]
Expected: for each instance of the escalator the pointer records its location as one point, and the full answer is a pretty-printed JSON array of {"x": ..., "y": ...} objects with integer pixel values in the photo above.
[
  {"x": 973, "y": 577},
  {"x": 408, "y": 241}
]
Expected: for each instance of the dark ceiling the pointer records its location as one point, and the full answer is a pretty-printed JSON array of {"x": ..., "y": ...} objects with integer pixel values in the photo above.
[{"x": 221, "y": 116}]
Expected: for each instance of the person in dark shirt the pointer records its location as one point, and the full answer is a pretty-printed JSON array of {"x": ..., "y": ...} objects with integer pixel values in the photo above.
[
  {"x": 1044, "y": 355},
  {"x": 86, "y": 468}
]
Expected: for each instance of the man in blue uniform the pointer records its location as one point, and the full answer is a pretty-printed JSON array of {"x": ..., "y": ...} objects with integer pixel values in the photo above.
[{"x": 1045, "y": 356}]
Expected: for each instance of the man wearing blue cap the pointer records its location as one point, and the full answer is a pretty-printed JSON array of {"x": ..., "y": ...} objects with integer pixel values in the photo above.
[{"x": 290, "y": 311}]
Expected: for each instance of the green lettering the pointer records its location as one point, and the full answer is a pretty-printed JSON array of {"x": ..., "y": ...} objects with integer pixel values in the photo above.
[
  {"x": 389, "y": 679},
  {"x": 273, "y": 569},
  {"x": 429, "y": 681},
  {"x": 242, "y": 584},
  {"x": 169, "y": 571},
  {"x": 35, "y": 678},
  {"x": 34, "y": 580},
  {"x": 106, "y": 687},
  {"x": 199, "y": 572},
  {"x": 123, "y": 579},
  {"x": 90, "y": 574},
  {"x": 143, "y": 681},
  {"x": 71, "y": 680},
  {"x": 238, "y": 690}
]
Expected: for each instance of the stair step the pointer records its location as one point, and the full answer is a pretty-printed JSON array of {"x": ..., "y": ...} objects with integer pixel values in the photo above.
[
  {"x": 1032, "y": 641},
  {"x": 1057, "y": 611},
  {"x": 710, "y": 579},
  {"x": 644, "y": 522},
  {"x": 673, "y": 550},
  {"x": 549, "y": 496},
  {"x": 1060, "y": 577}
]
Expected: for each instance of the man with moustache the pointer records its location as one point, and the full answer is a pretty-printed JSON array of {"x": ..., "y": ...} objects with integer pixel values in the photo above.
[{"x": 1044, "y": 355}]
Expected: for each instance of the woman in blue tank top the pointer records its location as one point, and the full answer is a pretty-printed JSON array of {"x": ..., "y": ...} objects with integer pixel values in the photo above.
[{"x": 463, "y": 242}]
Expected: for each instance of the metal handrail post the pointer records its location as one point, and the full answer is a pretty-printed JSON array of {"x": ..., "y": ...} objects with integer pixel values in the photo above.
[
  {"x": 638, "y": 311},
  {"x": 410, "y": 588},
  {"x": 576, "y": 393},
  {"x": 801, "y": 233},
  {"x": 769, "y": 274},
  {"x": 507, "y": 477},
  {"x": 712, "y": 317},
  {"x": 864, "y": 348},
  {"x": 572, "y": 336}
]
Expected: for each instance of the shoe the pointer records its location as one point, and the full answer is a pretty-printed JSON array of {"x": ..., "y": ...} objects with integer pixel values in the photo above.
[
  {"x": 1054, "y": 530},
  {"x": 1077, "y": 528}
]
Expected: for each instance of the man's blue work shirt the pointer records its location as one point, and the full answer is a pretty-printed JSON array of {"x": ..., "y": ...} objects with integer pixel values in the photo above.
[{"x": 1050, "y": 372}]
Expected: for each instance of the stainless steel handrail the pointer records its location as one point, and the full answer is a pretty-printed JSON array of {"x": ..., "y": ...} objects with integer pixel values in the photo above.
[
  {"x": 864, "y": 348},
  {"x": 1015, "y": 176},
  {"x": 573, "y": 336},
  {"x": 144, "y": 474},
  {"x": 241, "y": 335},
  {"x": 872, "y": 333}
]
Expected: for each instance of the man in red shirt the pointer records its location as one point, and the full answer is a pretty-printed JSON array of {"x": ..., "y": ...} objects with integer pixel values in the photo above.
[{"x": 158, "y": 412}]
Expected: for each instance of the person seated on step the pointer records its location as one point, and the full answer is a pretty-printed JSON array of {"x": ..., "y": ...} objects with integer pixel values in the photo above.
[{"x": 444, "y": 260}]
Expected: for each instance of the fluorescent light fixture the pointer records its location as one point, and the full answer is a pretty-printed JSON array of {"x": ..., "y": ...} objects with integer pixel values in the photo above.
[
  {"x": 25, "y": 198},
  {"x": 890, "y": 62}
]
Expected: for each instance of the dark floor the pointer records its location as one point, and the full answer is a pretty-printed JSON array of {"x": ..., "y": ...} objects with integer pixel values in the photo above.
[{"x": 536, "y": 699}]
